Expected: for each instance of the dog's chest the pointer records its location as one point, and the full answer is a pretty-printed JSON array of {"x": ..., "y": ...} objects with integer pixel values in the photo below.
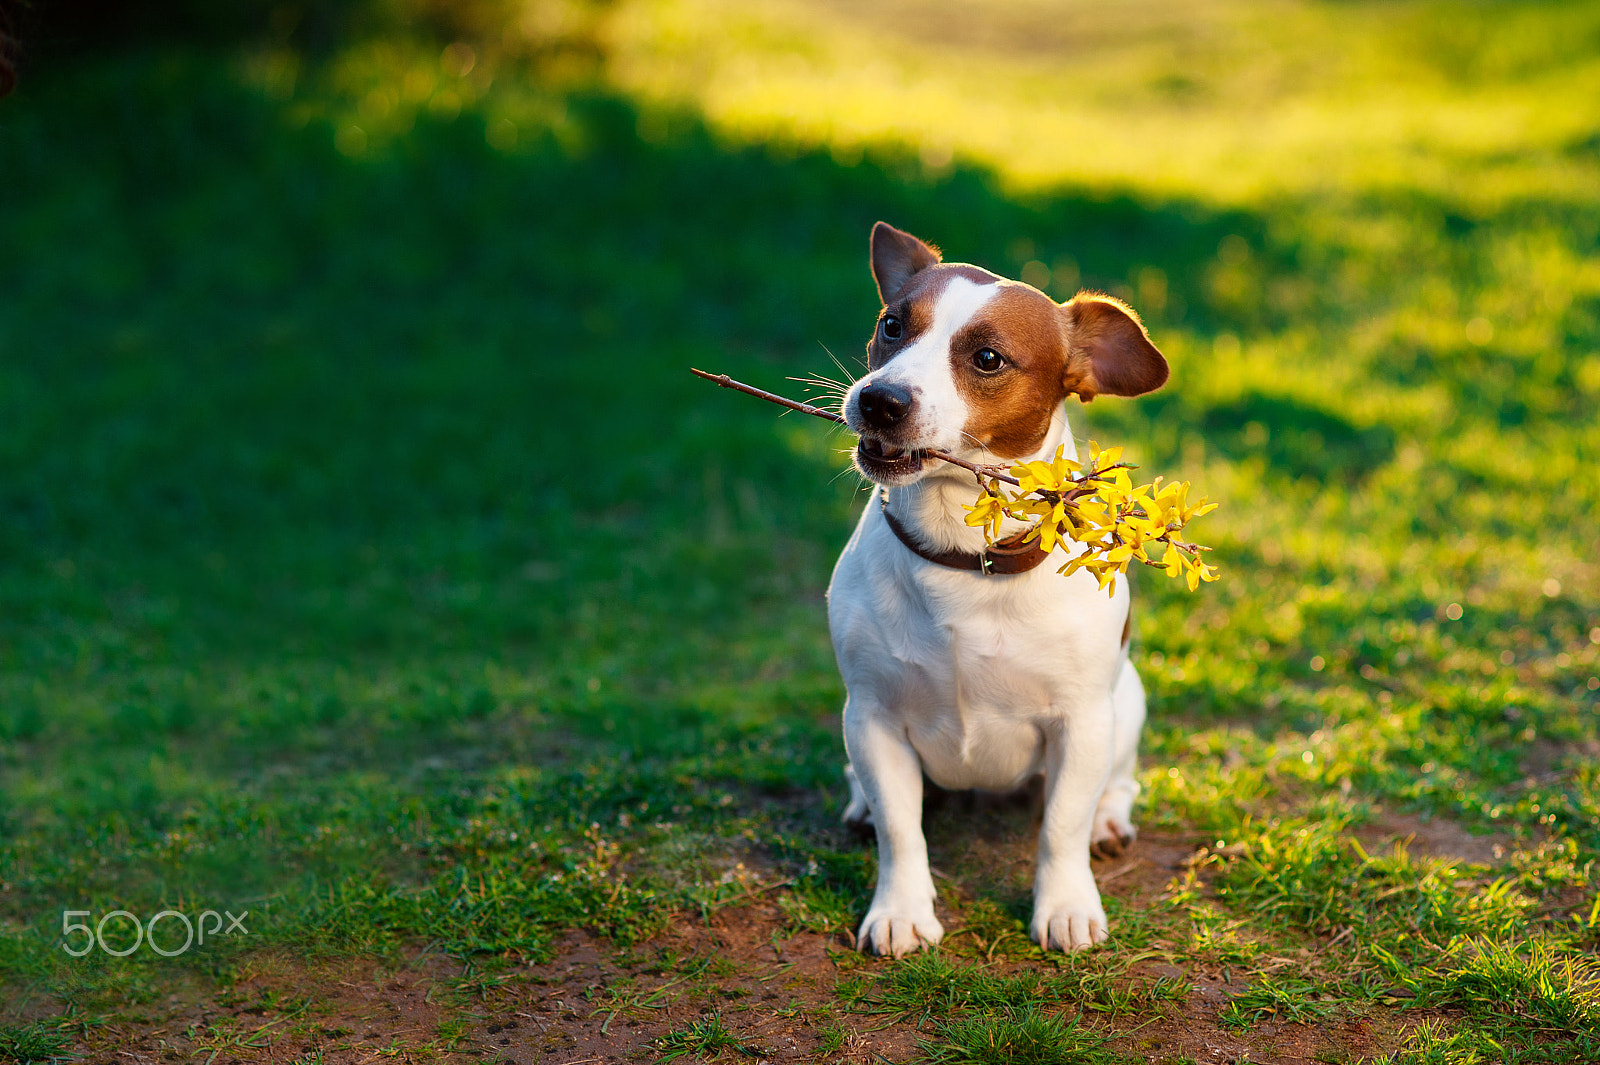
[
  {"x": 979, "y": 673},
  {"x": 994, "y": 683}
]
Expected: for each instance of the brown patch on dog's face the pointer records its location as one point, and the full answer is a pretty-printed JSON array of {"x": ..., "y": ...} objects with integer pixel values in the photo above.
[
  {"x": 909, "y": 314},
  {"x": 1009, "y": 364},
  {"x": 1024, "y": 353}
]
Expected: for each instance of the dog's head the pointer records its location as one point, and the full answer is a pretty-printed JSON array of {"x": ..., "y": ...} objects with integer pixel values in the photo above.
[{"x": 966, "y": 361}]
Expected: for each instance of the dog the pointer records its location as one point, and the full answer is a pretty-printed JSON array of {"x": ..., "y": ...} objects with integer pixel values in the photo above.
[{"x": 979, "y": 668}]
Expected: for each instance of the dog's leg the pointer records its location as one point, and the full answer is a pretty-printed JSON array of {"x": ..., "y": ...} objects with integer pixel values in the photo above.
[
  {"x": 1067, "y": 913},
  {"x": 889, "y": 774},
  {"x": 1113, "y": 820}
]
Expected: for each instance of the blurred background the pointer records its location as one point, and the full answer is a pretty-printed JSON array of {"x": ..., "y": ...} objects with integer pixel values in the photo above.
[{"x": 352, "y": 478}]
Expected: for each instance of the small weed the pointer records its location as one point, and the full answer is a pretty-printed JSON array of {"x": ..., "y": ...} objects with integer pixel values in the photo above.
[
  {"x": 1025, "y": 1036},
  {"x": 717, "y": 965},
  {"x": 625, "y": 999},
  {"x": 1217, "y": 939},
  {"x": 1313, "y": 875},
  {"x": 396, "y": 1047},
  {"x": 706, "y": 1036},
  {"x": 451, "y": 1032},
  {"x": 39, "y": 1043},
  {"x": 852, "y": 989},
  {"x": 1553, "y": 864},
  {"x": 832, "y": 1038},
  {"x": 1270, "y": 998},
  {"x": 1106, "y": 994},
  {"x": 1431, "y": 1043},
  {"x": 476, "y": 983},
  {"x": 216, "y": 1038}
]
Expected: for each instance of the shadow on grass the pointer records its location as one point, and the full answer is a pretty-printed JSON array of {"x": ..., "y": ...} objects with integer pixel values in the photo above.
[{"x": 266, "y": 400}]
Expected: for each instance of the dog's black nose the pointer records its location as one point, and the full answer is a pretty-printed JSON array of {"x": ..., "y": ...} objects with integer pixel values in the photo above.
[{"x": 882, "y": 405}]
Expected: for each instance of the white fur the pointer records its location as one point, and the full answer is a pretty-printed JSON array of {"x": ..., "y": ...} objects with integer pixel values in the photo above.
[
  {"x": 976, "y": 681},
  {"x": 923, "y": 368}
]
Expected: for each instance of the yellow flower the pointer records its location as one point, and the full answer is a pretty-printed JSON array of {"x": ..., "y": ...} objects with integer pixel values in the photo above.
[
  {"x": 1073, "y": 565},
  {"x": 1051, "y": 476},
  {"x": 1108, "y": 581},
  {"x": 987, "y": 512},
  {"x": 1099, "y": 460}
]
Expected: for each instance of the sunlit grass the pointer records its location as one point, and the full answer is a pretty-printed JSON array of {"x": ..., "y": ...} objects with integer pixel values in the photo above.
[{"x": 1227, "y": 102}]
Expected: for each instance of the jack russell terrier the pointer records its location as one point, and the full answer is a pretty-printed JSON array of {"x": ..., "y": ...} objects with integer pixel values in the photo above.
[{"x": 980, "y": 669}]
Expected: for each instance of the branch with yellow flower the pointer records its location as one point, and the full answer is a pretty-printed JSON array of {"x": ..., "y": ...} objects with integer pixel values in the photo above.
[{"x": 1096, "y": 511}]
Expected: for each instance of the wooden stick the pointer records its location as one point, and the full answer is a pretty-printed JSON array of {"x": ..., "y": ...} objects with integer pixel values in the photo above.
[{"x": 995, "y": 472}]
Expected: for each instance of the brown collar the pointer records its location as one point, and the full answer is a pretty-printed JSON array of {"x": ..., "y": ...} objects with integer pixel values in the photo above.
[{"x": 1005, "y": 557}]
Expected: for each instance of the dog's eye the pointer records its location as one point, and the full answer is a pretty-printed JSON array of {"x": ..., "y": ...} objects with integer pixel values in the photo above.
[
  {"x": 892, "y": 329},
  {"x": 988, "y": 360}
]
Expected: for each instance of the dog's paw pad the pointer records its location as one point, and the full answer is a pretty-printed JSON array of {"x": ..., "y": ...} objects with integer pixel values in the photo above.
[{"x": 896, "y": 935}]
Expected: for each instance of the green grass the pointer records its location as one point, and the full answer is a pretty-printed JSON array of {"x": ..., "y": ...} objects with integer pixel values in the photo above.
[
  {"x": 39, "y": 1043},
  {"x": 1024, "y": 1036},
  {"x": 705, "y": 1038},
  {"x": 369, "y": 560},
  {"x": 1285, "y": 1001}
]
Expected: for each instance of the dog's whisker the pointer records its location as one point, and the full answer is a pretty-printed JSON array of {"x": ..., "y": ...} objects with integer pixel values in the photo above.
[
  {"x": 972, "y": 440},
  {"x": 842, "y": 368},
  {"x": 820, "y": 377},
  {"x": 825, "y": 385}
]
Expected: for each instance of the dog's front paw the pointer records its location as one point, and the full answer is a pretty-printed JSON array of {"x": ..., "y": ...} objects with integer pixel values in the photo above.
[
  {"x": 898, "y": 932},
  {"x": 1068, "y": 926}
]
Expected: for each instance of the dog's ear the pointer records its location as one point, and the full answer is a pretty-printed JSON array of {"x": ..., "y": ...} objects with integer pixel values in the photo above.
[
  {"x": 1109, "y": 352},
  {"x": 896, "y": 256}
]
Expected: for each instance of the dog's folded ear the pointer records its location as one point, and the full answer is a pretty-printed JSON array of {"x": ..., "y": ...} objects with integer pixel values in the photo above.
[
  {"x": 896, "y": 256},
  {"x": 1109, "y": 352}
]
